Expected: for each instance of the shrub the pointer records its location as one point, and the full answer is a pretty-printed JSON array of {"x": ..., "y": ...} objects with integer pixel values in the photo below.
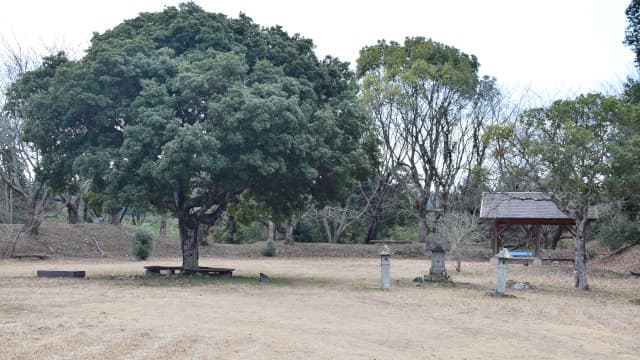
[
  {"x": 245, "y": 234},
  {"x": 617, "y": 232},
  {"x": 251, "y": 233},
  {"x": 309, "y": 230},
  {"x": 269, "y": 249},
  {"x": 142, "y": 244},
  {"x": 218, "y": 233},
  {"x": 404, "y": 233}
]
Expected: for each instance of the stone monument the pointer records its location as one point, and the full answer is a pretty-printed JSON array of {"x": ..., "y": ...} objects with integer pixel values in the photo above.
[
  {"x": 501, "y": 280},
  {"x": 438, "y": 272},
  {"x": 385, "y": 266}
]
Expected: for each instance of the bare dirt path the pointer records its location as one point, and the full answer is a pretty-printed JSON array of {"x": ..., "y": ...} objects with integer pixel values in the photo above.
[{"x": 322, "y": 308}]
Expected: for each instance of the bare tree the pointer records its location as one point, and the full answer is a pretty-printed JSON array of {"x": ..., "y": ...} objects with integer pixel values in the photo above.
[
  {"x": 460, "y": 229},
  {"x": 337, "y": 219},
  {"x": 19, "y": 160},
  {"x": 380, "y": 194}
]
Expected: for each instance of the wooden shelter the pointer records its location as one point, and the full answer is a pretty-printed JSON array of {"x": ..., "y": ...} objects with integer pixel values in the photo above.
[{"x": 523, "y": 208}]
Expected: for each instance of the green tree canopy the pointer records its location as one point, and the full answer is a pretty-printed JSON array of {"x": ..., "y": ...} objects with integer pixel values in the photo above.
[
  {"x": 420, "y": 96},
  {"x": 632, "y": 34},
  {"x": 184, "y": 110},
  {"x": 572, "y": 145}
]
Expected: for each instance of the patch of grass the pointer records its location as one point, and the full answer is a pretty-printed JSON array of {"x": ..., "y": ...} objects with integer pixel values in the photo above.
[
  {"x": 189, "y": 280},
  {"x": 200, "y": 280},
  {"x": 8, "y": 310}
]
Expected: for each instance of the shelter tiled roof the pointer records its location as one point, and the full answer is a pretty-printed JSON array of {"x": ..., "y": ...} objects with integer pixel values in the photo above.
[
  {"x": 525, "y": 206},
  {"x": 519, "y": 205}
]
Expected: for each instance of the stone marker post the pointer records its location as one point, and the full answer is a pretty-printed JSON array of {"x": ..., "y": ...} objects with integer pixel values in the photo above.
[
  {"x": 438, "y": 270},
  {"x": 385, "y": 266},
  {"x": 501, "y": 282}
]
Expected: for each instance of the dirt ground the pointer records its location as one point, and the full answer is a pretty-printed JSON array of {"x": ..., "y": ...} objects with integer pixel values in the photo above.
[{"x": 316, "y": 308}]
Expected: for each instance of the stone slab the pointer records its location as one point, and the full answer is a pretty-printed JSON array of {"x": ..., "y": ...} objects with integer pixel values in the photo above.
[{"x": 61, "y": 273}]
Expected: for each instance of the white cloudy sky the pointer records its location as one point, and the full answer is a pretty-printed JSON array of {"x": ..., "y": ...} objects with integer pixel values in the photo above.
[{"x": 558, "y": 48}]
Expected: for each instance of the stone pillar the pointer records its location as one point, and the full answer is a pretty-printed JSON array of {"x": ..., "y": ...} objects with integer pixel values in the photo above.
[
  {"x": 501, "y": 281},
  {"x": 438, "y": 271},
  {"x": 385, "y": 267}
]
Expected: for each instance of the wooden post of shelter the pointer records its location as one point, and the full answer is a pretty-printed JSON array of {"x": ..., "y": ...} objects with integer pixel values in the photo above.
[
  {"x": 494, "y": 236},
  {"x": 537, "y": 240}
]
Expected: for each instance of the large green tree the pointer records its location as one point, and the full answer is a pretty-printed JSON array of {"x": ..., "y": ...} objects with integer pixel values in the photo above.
[
  {"x": 632, "y": 34},
  {"x": 184, "y": 110},
  {"x": 571, "y": 145},
  {"x": 419, "y": 94}
]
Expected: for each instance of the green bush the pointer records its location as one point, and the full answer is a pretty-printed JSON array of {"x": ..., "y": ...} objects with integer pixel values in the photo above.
[
  {"x": 617, "y": 232},
  {"x": 218, "y": 233},
  {"x": 141, "y": 244},
  {"x": 269, "y": 249},
  {"x": 204, "y": 241},
  {"x": 309, "y": 230},
  {"x": 403, "y": 233},
  {"x": 251, "y": 233},
  {"x": 245, "y": 234}
]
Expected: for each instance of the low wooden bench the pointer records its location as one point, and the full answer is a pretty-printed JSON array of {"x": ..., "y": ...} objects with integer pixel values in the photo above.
[
  {"x": 172, "y": 270},
  {"x": 390, "y": 242},
  {"x": 550, "y": 260},
  {"x": 30, "y": 256},
  {"x": 61, "y": 273},
  {"x": 524, "y": 260}
]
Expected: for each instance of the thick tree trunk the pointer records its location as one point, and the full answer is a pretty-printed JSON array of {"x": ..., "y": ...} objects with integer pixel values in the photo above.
[
  {"x": 85, "y": 212},
  {"x": 339, "y": 227},
  {"x": 32, "y": 220},
  {"x": 233, "y": 229},
  {"x": 421, "y": 209},
  {"x": 7, "y": 197},
  {"x": 73, "y": 213},
  {"x": 163, "y": 225},
  {"x": 422, "y": 223},
  {"x": 189, "y": 243},
  {"x": 444, "y": 201},
  {"x": 422, "y": 230},
  {"x": 203, "y": 232},
  {"x": 288, "y": 238},
  {"x": 325, "y": 225},
  {"x": 557, "y": 234},
  {"x": 271, "y": 230},
  {"x": 580, "y": 268},
  {"x": 372, "y": 231},
  {"x": 115, "y": 217}
]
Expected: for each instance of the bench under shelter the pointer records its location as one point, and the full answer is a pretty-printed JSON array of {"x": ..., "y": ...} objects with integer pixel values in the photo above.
[{"x": 523, "y": 208}]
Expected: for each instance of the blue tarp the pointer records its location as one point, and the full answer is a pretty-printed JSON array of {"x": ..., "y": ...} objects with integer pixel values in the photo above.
[{"x": 520, "y": 253}]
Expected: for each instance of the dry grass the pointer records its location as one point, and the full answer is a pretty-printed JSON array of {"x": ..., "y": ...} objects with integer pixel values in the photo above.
[
  {"x": 314, "y": 308},
  {"x": 622, "y": 261}
]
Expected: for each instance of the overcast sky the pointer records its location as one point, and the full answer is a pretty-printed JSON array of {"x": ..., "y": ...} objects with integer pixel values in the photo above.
[{"x": 558, "y": 48}]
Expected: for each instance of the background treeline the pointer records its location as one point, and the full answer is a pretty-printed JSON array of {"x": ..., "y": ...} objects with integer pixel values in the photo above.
[{"x": 441, "y": 134}]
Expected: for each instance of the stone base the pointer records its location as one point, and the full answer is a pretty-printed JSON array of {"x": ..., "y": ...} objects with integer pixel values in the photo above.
[
  {"x": 497, "y": 295},
  {"x": 437, "y": 277}
]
